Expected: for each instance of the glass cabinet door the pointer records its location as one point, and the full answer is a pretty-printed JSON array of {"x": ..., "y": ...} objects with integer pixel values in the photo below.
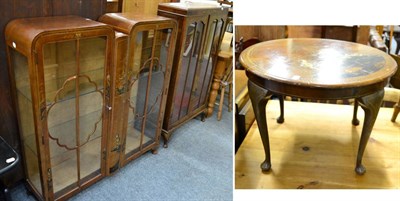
[
  {"x": 189, "y": 67},
  {"x": 203, "y": 78},
  {"x": 146, "y": 72},
  {"x": 74, "y": 74}
]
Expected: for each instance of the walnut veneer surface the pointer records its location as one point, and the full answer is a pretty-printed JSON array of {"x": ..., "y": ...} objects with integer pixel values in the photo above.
[
  {"x": 318, "y": 62},
  {"x": 320, "y": 69}
]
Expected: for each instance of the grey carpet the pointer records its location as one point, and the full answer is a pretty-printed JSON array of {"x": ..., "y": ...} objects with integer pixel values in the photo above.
[{"x": 197, "y": 165}]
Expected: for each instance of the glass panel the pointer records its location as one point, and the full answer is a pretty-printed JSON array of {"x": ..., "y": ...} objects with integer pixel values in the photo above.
[
  {"x": 27, "y": 127},
  {"x": 134, "y": 123},
  {"x": 213, "y": 39},
  {"x": 59, "y": 65},
  {"x": 138, "y": 71},
  {"x": 157, "y": 84},
  {"x": 146, "y": 86},
  {"x": 74, "y": 95},
  {"x": 59, "y": 69},
  {"x": 191, "y": 50},
  {"x": 92, "y": 60}
]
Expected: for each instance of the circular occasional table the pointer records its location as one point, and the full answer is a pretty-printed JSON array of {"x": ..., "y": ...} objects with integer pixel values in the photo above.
[{"x": 317, "y": 69}]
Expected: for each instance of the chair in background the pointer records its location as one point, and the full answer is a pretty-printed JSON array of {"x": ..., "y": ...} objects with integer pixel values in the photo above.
[
  {"x": 224, "y": 82},
  {"x": 223, "y": 66},
  {"x": 392, "y": 93},
  {"x": 395, "y": 84},
  {"x": 240, "y": 46}
]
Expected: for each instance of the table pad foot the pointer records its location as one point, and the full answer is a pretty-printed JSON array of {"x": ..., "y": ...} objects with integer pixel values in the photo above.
[
  {"x": 280, "y": 120},
  {"x": 360, "y": 169},
  {"x": 265, "y": 166},
  {"x": 355, "y": 122}
]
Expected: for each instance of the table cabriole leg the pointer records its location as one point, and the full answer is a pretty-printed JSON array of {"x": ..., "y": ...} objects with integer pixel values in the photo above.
[
  {"x": 355, "y": 121},
  {"x": 281, "y": 118},
  {"x": 370, "y": 104},
  {"x": 259, "y": 98}
]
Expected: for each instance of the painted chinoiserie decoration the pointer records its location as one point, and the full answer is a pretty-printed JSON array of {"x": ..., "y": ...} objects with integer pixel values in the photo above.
[
  {"x": 60, "y": 74},
  {"x": 201, "y": 27},
  {"x": 144, "y": 54},
  {"x": 317, "y": 69}
]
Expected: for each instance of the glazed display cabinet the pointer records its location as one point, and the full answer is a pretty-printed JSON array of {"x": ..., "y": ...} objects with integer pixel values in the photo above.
[
  {"x": 143, "y": 67},
  {"x": 60, "y": 73},
  {"x": 201, "y": 27}
]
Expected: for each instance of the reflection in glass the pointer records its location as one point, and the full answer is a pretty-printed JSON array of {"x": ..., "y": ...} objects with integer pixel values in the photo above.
[
  {"x": 19, "y": 65},
  {"x": 146, "y": 81},
  {"x": 211, "y": 50},
  {"x": 189, "y": 63},
  {"x": 74, "y": 96},
  {"x": 196, "y": 68}
]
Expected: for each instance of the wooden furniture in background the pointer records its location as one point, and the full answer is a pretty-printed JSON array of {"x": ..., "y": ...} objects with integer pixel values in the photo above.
[
  {"x": 262, "y": 33},
  {"x": 358, "y": 34},
  {"x": 239, "y": 47},
  {"x": 114, "y": 6},
  {"x": 201, "y": 27},
  {"x": 376, "y": 41},
  {"x": 142, "y": 79},
  {"x": 314, "y": 150},
  {"x": 226, "y": 81},
  {"x": 147, "y": 7},
  {"x": 395, "y": 83},
  {"x": 244, "y": 115},
  {"x": 317, "y": 69},
  {"x": 222, "y": 69},
  {"x": 60, "y": 70},
  {"x": 304, "y": 31},
  {"x": 12, "y": 9}
]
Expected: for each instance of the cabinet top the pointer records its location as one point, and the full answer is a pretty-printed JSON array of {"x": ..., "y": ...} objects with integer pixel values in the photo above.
[
  {"x": 21, "y": 33},
  {"x": 126, "y": 22},
  {"x": 192, "y": 8}
]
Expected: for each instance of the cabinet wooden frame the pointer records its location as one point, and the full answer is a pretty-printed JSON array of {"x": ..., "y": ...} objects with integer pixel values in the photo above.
[
  {"x": 52, "y": 105},
  {"x": 142, "y": 31},
  {"x": 185, "y": 100}
]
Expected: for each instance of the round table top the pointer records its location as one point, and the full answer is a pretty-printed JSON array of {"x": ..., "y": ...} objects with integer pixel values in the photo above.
[{"x": 318, "y": 62}]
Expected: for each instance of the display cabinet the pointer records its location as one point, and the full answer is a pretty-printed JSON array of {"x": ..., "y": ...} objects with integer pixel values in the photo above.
[
  {"x": 142, "y": 80},
  {"x": 60, "y": 74},
  {"x": 201, "y": 27}
]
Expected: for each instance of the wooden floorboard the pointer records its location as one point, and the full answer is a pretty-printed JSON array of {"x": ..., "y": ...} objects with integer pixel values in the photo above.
[{"x": 333, "y": 143}]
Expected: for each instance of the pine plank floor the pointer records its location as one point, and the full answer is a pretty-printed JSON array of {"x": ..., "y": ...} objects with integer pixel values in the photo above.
[{"x": 333, "y": 143}]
